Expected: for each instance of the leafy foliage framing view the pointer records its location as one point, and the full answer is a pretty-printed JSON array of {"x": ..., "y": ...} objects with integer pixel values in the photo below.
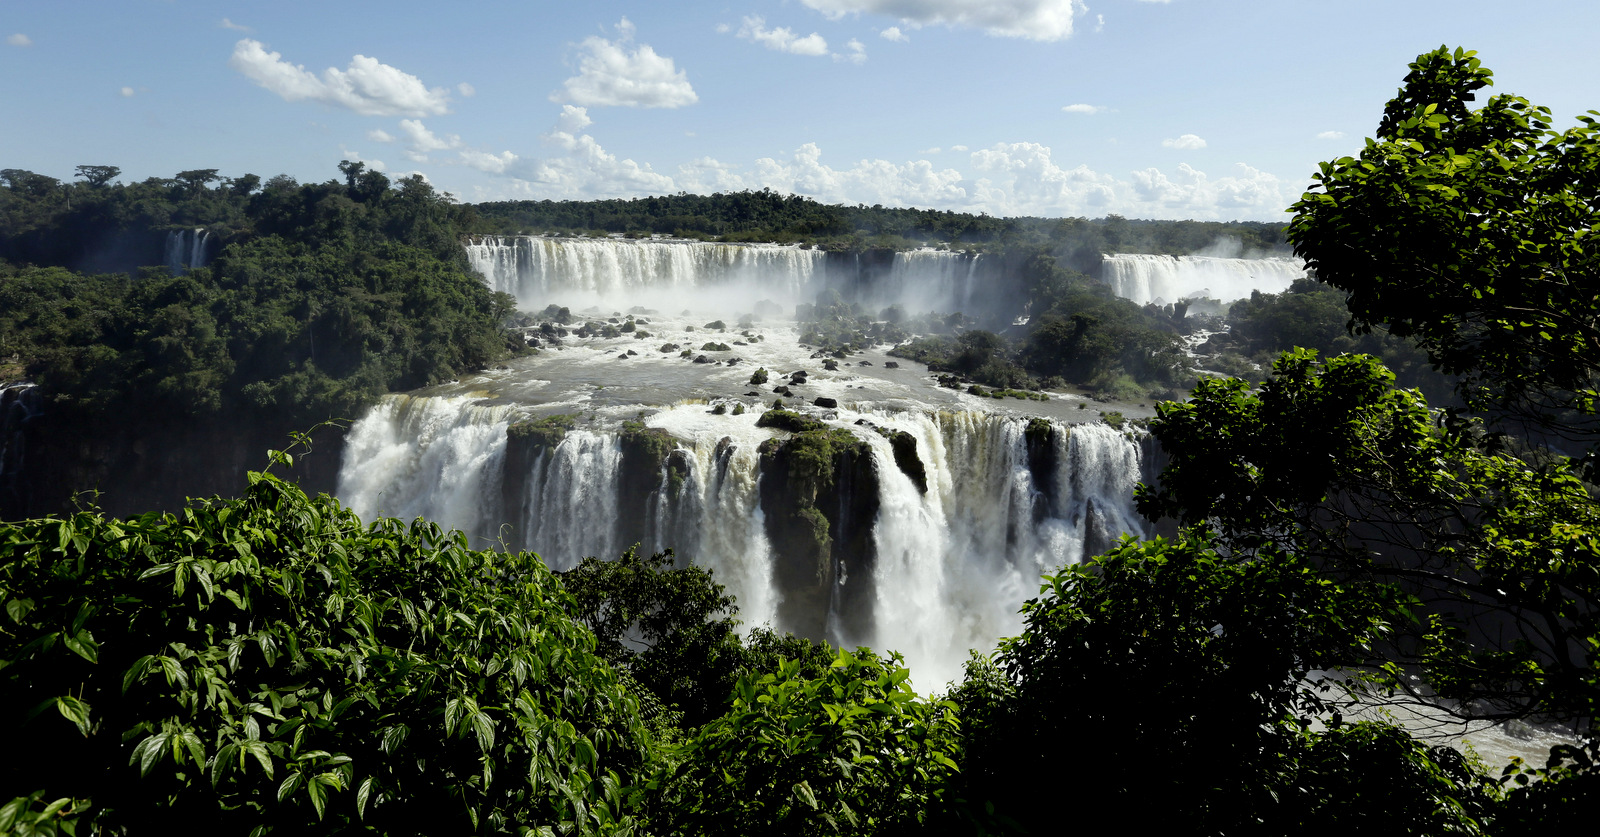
[{"x": 273, "y": 664}]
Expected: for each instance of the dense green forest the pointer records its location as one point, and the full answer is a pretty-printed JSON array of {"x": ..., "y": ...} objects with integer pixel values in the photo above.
[
  {"x": 773, "y": 216},
  {"x": 273, "y": 664},
  {"x": 324, "y": 296}
]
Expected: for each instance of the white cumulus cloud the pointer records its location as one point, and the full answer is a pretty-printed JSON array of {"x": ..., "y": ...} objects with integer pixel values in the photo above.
[
  {"x": 423, "y": 140},
  {"x": 228, "y": 24},
  {"x": 583, "y": 170},
  {"x": 1084, "y": 109},
  {"x": 1037, "y": 20},
  {"x": 1187, "y": 142},
  {"x": 491, "y": 163},
  {"x": 781, "y": 39},
  {"x": 573, "y": 119},
  {"x": 126, "y": 92},
  {"x": 893, "y": 33},
  {"x": 379, "y": 135},
  {"x": 857, "y": 52},
  {"x": 1331, "y": 135},
  {"x": 466, "y": 90},
  {"x": 19, "y": 40},
  {"x": 367, "y": 86},
  {"x": 610, "y": 74}
]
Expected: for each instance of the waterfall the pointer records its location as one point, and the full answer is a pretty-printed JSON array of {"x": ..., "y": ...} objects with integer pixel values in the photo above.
[
  {"x": 1166, "y": 279},
  {"x": 438, "y": 458},
  {"x": 538, "y": 270},
  {"x": 20, "y": 403},
  {"x": 1007, "y": 500},
  {"x": 954, "y": 564},
  {"x": 928, "y": 280},
  {"x": 186, "y": 249},
  {"x": 572, "y": 500}
]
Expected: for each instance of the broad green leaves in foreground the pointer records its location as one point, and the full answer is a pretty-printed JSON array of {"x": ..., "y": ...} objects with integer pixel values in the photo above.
[{"x": 272, "y": 664}]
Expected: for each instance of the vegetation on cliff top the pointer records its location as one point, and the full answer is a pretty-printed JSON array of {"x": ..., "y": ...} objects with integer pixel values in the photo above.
[{"x": 322, "y": 297}]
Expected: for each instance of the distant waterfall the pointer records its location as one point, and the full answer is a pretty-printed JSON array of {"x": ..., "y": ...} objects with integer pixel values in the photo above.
[
  {"x": 20, "y": 403},
  {"x": 539, "y": 270},
  {"x": 929, "y": 280},
  {"x": 1007, "y": 500},
  {"x": 186, "y": 249},
  {"x": 1168, "y": 279}
]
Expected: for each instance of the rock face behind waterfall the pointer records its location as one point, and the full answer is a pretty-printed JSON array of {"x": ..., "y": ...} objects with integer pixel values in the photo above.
[
  {"x": 819, "y": 494},
  {"x": 649, "y": 477}
]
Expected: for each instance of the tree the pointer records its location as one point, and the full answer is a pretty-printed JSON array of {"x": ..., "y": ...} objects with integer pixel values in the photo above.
[
  {"x": 98, "y": 175},
  {"x": 195, "y": 180},
  {"x": 848, "y": 750},
  {"x": 1328, "y": 462},
  {"x": 274, "y": 664},
  {"x": 1472, "y": 230}
]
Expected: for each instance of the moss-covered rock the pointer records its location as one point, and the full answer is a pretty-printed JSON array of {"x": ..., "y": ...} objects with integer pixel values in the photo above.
[
  {"x": 781, "y": 419},
  {"x": 645, "y": 452},
  {"x": 525, "y": 442},
  {"x": 819, "y": 496}
]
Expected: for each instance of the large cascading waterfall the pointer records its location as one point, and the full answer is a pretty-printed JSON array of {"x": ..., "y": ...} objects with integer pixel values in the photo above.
[
  {"x": 930, "y": 570},
  {"x": 1145, "y": 278},
  {"x": 538, "y": 270},
  {"x": 187, "y": 249}
]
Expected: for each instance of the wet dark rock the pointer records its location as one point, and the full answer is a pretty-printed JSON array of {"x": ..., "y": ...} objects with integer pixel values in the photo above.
[
  {"x": 889, "y": 364},
  {"x": 906, "y": 459},
  {"x": 702, "y": 359},
  {"x": 823, "y": 401}
]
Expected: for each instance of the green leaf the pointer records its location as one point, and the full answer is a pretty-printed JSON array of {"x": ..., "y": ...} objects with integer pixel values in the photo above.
[
  {"x": 319, "y": 796},
  {"x": 362, "y": 794},
  {"x": 289, "y": 785},
  {"x": 18, "y": 609},
  {"x": 84, "y": 646},
  {"x": 75, "y": 711},
  {"x": 803, "y": 790}
]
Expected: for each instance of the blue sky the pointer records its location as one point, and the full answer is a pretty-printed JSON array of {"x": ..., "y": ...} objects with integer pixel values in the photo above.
[{"x": 1176, "y": 109}]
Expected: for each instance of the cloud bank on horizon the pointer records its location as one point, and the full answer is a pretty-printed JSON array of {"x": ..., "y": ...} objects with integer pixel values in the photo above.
[
  {"x": 1147, "y": 108},
  {"x": 618, "y": 70}
]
